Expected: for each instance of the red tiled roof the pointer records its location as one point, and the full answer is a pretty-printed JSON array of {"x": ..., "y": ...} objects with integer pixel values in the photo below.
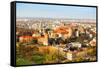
[
  {"x": 62, "y": 30},
  {"x": 26, "y": 36}
]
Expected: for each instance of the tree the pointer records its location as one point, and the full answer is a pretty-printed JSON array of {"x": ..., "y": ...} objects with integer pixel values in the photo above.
[{"x": 34, "y": 41}]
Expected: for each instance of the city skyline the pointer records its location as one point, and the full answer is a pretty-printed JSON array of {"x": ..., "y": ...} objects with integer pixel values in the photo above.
[{"x": 54, "y": 11}]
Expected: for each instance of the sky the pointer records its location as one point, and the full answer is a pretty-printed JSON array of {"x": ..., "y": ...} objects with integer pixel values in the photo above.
[{"x": 54, "y": 11}]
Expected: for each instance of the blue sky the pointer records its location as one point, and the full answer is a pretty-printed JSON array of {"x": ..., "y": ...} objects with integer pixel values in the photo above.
[{"x": 55, "y": 11}]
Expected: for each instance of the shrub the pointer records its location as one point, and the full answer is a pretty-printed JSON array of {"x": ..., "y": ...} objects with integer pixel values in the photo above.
[
  {"x": 22, "y": 61},
  {"x": 38, "y": 59}
]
